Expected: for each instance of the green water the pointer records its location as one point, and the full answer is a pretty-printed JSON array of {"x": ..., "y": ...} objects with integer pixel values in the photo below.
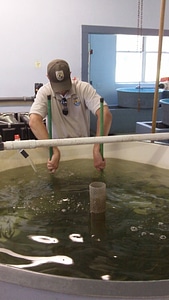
[{"x": 46, "y": 226}]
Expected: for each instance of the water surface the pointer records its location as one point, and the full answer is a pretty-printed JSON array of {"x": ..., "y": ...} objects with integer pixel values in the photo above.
[{"x": 46, "y": 226}]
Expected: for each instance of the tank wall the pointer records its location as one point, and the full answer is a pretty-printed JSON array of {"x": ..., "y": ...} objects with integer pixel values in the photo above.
[
  {"x": 135, "y": 98},
  {"x": 141, "y": 152},
  {"x": 165, "y": 110}
]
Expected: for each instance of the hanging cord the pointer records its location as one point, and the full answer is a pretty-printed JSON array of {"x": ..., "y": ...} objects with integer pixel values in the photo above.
[
  {"x": 140, "y": 18},
  {"x": 139, "y": 34}
]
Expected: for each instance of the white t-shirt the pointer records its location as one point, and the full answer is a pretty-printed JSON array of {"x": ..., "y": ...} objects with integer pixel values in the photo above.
[{"x": 81, "y": 99}]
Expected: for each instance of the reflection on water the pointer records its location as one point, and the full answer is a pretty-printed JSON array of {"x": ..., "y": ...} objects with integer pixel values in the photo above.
[
  {"x": 43, "y": 239},
  {"x": 35, "y": 261},
  {"x": 45, "y": 224}
]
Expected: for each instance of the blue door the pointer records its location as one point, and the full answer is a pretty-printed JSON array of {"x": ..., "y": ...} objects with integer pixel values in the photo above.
[{"x": 101, "y": 65}]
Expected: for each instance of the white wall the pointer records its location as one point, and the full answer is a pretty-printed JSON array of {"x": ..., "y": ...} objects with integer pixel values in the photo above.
[{"x": 41, "y": 30}]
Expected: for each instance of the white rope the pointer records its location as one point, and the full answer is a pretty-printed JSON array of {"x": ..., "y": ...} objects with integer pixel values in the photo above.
[{"x": 29, "y": 144}]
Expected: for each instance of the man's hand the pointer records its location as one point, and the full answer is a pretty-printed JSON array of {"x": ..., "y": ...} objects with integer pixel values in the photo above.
[
  {"x": 39, "y": 129},
  {"x": 99, "y": 162},
  {"x": 53, "y": 164}
]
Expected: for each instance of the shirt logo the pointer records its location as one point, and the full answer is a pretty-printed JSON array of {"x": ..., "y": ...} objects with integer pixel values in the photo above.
[
  {"x": 76, "y": 101},
  {"x": 59, "y": 75}
]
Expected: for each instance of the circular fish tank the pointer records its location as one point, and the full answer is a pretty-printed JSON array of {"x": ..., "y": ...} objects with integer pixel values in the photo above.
[
  {"x": 165, "y": 110},
  {"x": 19, "y": 283},
  {"x": 141, "y": 98}
]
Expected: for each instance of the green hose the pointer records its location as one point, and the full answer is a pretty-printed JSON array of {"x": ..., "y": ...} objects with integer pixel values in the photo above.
[
  {"x": 101, "y": 125},
  {"x": 50, "y": 124}
]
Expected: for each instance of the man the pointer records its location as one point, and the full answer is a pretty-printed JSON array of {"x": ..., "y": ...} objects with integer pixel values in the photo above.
[{"x": 71, "y": 103}]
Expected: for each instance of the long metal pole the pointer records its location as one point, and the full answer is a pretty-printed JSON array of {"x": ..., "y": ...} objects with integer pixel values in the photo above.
[
  {"x": 101, "y": 125},
  {"x": 50, "y": 124},
  {"x": 29, "y": 144},
  {"x": 155, "y": 105}
]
